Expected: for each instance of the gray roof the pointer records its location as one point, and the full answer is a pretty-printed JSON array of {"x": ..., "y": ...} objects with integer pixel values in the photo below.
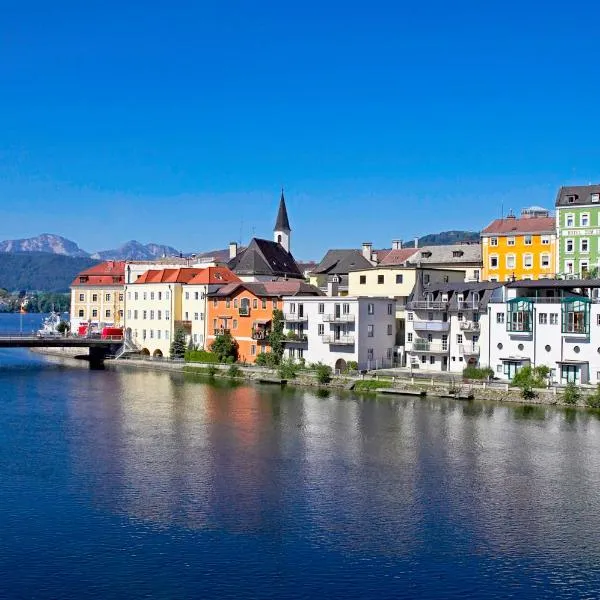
[
  {"x": 341, "y": 262},
  {"x": 580, "y": 194},
  {"x": 282, "y": 223},
  {"x": 451, "y": 254},
  {"x": 264, "y": 257},
  {"x": 555, "y": 283},
  {"x": 484, "y": 289}
]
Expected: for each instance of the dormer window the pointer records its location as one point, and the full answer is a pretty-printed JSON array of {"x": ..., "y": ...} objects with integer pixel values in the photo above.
[
  {"x": 457, "y": 253},
  {"x": 460, "y": 298},
  {"x": 444, "y": 297},
  {"x": 571, "y": 199},
  {"x": 595, "y": 197}
]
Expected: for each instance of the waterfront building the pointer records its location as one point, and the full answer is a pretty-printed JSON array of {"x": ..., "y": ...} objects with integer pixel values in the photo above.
[
  {"x": 554, "y": 323},
  {"x": 97, "y": 296},
  {"x": 520, "y": 248},
  {"x": 447, "y": 325},
  {"x": 337, "y": 330},
  {"x": 245, "y": 310},
  {"x": 578, "y": 230}
]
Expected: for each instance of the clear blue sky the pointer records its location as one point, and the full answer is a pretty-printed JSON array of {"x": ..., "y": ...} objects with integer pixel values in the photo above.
[{"x": 178, "y": 122}]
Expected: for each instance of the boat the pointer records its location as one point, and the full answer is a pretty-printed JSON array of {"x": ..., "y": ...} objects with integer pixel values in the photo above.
[{"x": 50, "y": 326}]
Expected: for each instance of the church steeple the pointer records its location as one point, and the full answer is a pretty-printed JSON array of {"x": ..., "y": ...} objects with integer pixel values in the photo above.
[{"x": 282, "y": 229}]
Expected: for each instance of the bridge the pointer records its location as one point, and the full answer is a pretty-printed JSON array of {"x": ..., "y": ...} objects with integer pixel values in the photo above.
[{"x": 99, "y": 348}]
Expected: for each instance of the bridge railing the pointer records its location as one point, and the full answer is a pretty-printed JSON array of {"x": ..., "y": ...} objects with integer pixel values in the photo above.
[{"x": 17, "y": 336}]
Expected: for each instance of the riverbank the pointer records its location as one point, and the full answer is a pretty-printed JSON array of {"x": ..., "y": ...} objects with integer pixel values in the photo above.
[{"x": 372, "y": 383}]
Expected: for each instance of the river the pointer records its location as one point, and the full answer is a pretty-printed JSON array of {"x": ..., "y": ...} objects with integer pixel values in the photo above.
[{"x": 132, "y": 484}]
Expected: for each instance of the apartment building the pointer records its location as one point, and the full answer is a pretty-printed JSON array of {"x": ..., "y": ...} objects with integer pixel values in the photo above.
[
  {"x": 554, "y": 323},
  {"x": 520, "y": 248},
  {"x": 97, "y": 296},
  {"x": 245, "y": 310},
  {"x": 447, "y": 324},
  {"x": 578, "y": 230},
  {"x": 336, "y": 330}
]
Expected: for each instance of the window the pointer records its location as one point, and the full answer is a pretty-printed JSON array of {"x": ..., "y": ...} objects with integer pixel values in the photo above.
[
  {"x": 370, "y": 308},
  {"x": 493, "y": 241},
  {"x": 598, "y": 320},
  {"x": 167, "y": 296},
  {"x": 528, "y": 261},
  {"x": 430, "y": 316},
  {"x": 81, "y": 314},
  {"x": 399, "y": 278},
  {"x": 370, "y": 330},
  {"x": 460, "y": 316},
  {"x": 389, "y": 329},
  {"x": 95, "y": 312},
  {"x": 202, "y": 316},
  {"x": 252, "y": 350},
  {"x": 409, "y": 337},
  {"x": 570, "y": 220},
  {"x": 187, "y": 315},
  {"x": 429, "y": 337},
  {"x": 129, "y": 314},
  {"x": 166, "y": 334},
  {"x": 545, "y": 240},
  {"x": 321, "y": 329},
  {"x": 159, "y": 314},
  {"x": 135, "y": 314},
  {"x": 389, "y": 353},
  {"x": 543, "y": 318},
  {"x": 255, "y": 303},
  {"x": 321, "y": 308},
  {"x": 444, "y": 342},
  {"x": 379, "y": 279},
  {"x": 545, "y": 261},
  {"x": 569, "y": 245},
  {"x": 362, "y": 279},
  {"x": 235, "y": 303},
  {"x": 528, "y": 240},
  {"x": 520, "y": 314},
  {"x": 195, "y": 316},
  {"x": 493, "y": 262},
  {"x": 152, "y": 314},
  {"x": 144, "y": 314},
  {"x": 264, "y": 303},
  {"x": 151, "y": 333},
  {"x": 94, "y": 297},
  {"x": 143, "y": 334},
  {"x": 228, "y": 303},
  {"x": 459, "y": 338},
  {"x": 135, "y": 295},
  {"x": 568, "y": 266},
  {"x": 145, "y": 295},
  {"x": 81, "y": 297},
  {"x": 187, "y": 295},
  {"x": 274, "y": 303},
  {"x": 158, "y": 333},
  {"x": 234, "y": 324},
  {"x": 584, "y": 220},
  {"x": 423, "y": 359},
  {"x": 292, "y": 307},
  {"x": 426, "y": 278},
  {"x": 409, "y": 316},
  {"x": 475, "y": 274},
  {"x": 196, "y": 296},
  {"x": 510, "y": 241},
  {"x": 510, "y": 261},
  {"x": 390, "y": 309},
  {"x": 152, "y": 296},
  {"x": 167, "y": 315},
  {"x": 160, "y": 295},
  {"x": 583, "y": 267},
  {"x": 553, "y": 318},
  {"x": 584, "y": 245},
  {"x": 346, "y": 309},
  {"x": 595, "y": 197}
]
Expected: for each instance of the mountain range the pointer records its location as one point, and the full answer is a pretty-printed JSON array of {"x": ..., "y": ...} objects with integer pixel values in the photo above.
[{"x": 56, "y": 244}]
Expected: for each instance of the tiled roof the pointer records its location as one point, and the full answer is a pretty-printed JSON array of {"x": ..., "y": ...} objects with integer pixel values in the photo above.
[
  {"x": 520, "y": 226},
  {"x": 214, "y": 276},
  {"x": 269, "y": 289},
  {"x": 183, "y": 275},
  {"x": 264, "y": 257},
  {"x": 398, "y": 257},
  {"x": 580, "y": 194},
  {"x": 484, "y": 289},
  {"x": 108, "y": 273},
  {"x": 338, "y": 262},
  {"x": 108, "y": 267}
]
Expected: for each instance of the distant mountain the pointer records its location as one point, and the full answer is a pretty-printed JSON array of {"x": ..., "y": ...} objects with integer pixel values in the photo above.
[
  {"x": 40, "y": 271},
  {"x": 443, "y": 238},
  {"x": 133, "y": 250},
  {"x": 46, "y": 242}
]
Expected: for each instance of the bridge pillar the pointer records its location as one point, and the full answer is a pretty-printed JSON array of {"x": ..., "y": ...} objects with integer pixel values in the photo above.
[{"x": 97, "y": 356}]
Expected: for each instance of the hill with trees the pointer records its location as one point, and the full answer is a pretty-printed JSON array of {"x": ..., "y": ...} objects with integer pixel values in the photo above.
[{"x": 443, "y": 238}]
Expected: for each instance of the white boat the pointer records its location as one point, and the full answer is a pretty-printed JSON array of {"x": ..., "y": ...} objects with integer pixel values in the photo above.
[{"x": 50, "y": 326}]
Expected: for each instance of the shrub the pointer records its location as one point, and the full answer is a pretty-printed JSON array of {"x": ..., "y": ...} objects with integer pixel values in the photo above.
[
  {"x": 478, "y": 373},
  {"x": 201, "y": 356},
  {"x": 234, "y": 371},
  {"x": 288, "y": 369},
  {"x": 225, "y": 348},
  {"x": 370, "y": 385},
  {"x": 63, "y": 327},
  {"x": 352, "y": 365},
  {"x": 571, "y": 395},
  {"x": 211, "y": 370},
  {"x": 528, "y": 378},
  {"x": 323, "y": 373},
  {"x": 266, "y": 359}
]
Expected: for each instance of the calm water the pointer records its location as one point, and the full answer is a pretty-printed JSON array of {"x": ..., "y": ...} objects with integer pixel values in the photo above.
[{"x": 133, "y": 484}]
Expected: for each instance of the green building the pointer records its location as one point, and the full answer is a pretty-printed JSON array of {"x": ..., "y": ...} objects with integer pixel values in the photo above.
[{"x": 578, "y": 230}]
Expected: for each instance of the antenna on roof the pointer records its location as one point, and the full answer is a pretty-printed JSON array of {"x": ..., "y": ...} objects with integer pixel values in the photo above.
[
  {"x": 502, "y": 211},
  {"x": 241, "y": 230}
]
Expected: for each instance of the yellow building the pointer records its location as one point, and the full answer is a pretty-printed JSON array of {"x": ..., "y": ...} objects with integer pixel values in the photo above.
[{"x": 520, "y": 248}]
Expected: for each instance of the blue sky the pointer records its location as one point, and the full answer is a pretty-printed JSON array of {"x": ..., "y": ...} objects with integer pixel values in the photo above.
[{"x": 179, "y": 122}]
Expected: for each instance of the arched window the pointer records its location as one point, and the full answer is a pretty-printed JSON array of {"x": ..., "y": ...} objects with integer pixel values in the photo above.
[{"x": 244, "y": 307}]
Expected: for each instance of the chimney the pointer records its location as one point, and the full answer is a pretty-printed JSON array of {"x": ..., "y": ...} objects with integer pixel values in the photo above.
[
  {"x": 374, "y": 257},
  {"x": 232, "y": 250},
  {"x": 333, "y": 286},
  {"x": 367, "y": 247},
  {"x": 396, "y": 245},
  {"x": 416, "y": 242}
]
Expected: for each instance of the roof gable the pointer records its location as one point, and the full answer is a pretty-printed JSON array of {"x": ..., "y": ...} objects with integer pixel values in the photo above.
[{"x": 264, "y": 257}]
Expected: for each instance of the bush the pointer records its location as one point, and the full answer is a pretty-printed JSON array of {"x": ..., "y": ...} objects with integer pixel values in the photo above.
[
  {"x": 370, "y": 385},
  {"x": 201, "y": 356},
  {"x": 266, "y": 359},
  {"x": 352, "y": 365},
  {"x": 234, "y": 371},
  {"x": 211, "y": 370},
  {"x": 593, "y": 401},
  {"x": 571, "y": 395},
  {"x": 225, "y": 348},
  {"x": 478, "y": 373},
  {"x": 323, "y": 373},
  {"x": 288, "y": 369},
  {"x": 528, "y": 378},
  {"x": 63, "y": 327}
]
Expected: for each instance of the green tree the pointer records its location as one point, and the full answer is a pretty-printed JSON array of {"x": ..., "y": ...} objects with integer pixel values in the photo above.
[
  {"x": 63, "y": 327},
  {"x": 323, "y": 372},
  {"x": 529, "y": 378},
  {"x": 288, "y": 369},
  {"x": 571, "y": 395},
  {"x": 178, "y": 348},
  {"x": 225, "y": 348},
  {"x": 276, "y": 336}
]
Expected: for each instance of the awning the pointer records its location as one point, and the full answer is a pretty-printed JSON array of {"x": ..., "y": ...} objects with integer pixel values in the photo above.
[
  {"x": 515, "y": 359},
  {"x": 572, "y": 362},
  {"x": 262, "y": 321}
]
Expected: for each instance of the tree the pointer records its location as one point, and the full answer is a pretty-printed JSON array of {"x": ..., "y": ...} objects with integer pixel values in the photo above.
[
  {"x": 323, "y": 373},
  {"x": 63, "y": 327},
  {"x": 529, "y": 378},
  {"x": 276, "y": 336},
  {"x": 177, "y": 349},
  {"x": 225, "y": 348}
]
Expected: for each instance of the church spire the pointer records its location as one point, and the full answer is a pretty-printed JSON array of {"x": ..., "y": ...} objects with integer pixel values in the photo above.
[{"x": 282, "y": 223}]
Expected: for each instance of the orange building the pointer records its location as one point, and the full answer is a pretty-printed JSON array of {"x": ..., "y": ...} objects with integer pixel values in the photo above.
[
  {"x": 519, "y": 248},
  {"x": 245, "y": 310}
]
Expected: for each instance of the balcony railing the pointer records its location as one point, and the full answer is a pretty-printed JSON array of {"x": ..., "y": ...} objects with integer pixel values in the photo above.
[
  {"x": 338, "y": 318},
  {"x": 468, "y": 305},
  {"x": 300, "y": 338},
  {"x": 260, "y": 334},
  {"x": 469, "y": 326},
  {"x": 431, "y": 325},
  {"x": 428, "y": 305},
  {"x": 342, "y": 340},
  {"x": 294, "y": 318},
  {"x": 221, "y": 331},
  {"x": 469, "y": 349},
  {"x": 244, "y": 311},
  {"x": 421, "y": 346}
]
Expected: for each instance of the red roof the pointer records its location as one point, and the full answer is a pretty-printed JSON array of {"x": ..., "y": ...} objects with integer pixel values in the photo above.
[
  {"x": 110, "y": 272},
  {"x": 521, "y": 225},
  {"x": 214, "y": 276},
  {"x": 398, "y": 257},
  {"x": 181, "y": 275}
]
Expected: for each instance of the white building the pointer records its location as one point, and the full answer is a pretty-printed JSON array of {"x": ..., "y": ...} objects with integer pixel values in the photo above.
[
  {"x": 547, "y": 322},
  {"x": 340, "y": 329},
  {"x": 447, "y": 324}
]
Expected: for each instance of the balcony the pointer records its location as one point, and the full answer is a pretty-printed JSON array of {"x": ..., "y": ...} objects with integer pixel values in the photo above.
[
  {"x": 298, "y": 338},
  {"x": 469, "y": 349},
  {"x": 260, "y": 334},
  {"x": 431, "y": 325},
  {"x": 294, "y": 318},
  {"x": 468, "y": 305},
  {"x": 244, "y": 311},
  {"x": 185, "y": 325},
  {"x": 428, "y": 305},
  {"x": 221, "y": 331},
  {"x": 342, "y": 340},
  {"x": 469, "y": 326},
  {"x": 338, "y": 318},
  {"x": 423, "y": 346}
]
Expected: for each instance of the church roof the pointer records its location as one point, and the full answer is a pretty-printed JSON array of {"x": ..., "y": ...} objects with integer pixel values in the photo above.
[
  {"x": 282, "y": 223},
  {"x": 263, "y": 257}
]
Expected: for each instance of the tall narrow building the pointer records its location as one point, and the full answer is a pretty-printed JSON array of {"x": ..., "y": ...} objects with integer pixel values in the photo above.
[{"x": 282, "y": 230}]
